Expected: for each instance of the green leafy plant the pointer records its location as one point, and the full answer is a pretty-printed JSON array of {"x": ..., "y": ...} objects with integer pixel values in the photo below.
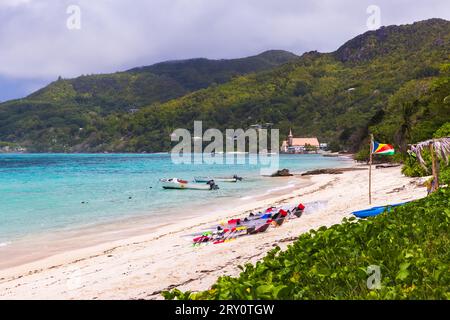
[{"x": 410, "y": 244}]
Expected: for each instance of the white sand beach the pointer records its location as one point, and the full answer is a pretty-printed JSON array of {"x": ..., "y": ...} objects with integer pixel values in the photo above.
[{"x": 140, "y": 267}]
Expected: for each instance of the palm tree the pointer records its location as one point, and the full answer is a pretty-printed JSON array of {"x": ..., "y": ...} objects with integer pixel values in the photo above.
[
  {"x": 408, "y": 110},
  {"x": 439, "y": 148}
]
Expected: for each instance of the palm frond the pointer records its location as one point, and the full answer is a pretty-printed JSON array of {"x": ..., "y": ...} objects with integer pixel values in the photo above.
[{"x": 441, "y": 148}]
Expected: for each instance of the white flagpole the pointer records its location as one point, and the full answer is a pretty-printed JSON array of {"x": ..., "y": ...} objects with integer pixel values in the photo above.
[{"x": 370, "y": 168}]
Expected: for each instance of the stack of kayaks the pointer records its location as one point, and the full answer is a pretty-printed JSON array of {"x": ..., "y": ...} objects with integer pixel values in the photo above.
[
  {"x": 374, "y": 211},
  {"x": 252, "y": 224}
]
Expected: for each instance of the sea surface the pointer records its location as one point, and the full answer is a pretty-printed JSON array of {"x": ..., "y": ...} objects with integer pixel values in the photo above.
[{"x": 56, "y": 192}]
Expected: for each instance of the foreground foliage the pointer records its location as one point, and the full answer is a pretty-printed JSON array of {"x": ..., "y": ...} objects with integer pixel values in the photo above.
[{"x": 411, "y": 245}]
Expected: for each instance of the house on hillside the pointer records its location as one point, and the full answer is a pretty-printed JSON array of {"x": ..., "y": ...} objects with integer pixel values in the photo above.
[
  {"x": 300, "y": 145},
  {"x": 133, "y": 110}
]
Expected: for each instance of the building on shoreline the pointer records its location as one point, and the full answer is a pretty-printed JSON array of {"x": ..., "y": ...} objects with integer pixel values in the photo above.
[
  {"x": 12, "y": 149},
  {"x": 300, "y": 145}
]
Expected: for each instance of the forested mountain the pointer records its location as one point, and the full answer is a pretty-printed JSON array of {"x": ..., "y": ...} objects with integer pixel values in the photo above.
[
  {"x": 160, "y": 82},
  {"x": 369, "y": 82}
]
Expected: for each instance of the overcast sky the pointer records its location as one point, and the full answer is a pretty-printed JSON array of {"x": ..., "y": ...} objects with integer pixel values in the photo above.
[{"x": 36, "y": 46}]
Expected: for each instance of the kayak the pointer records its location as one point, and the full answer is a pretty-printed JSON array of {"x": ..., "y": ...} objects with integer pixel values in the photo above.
[
  {"x": 375, "y": 210},
  {"x": 235, "y": 178},
  {"x": 292, "y": 211},
  {"x": 276, "y": 215},
  {"x": 180, "y": 184},
  {"x": 229, "y": 234},
  {"x": 370, "y": 212}
]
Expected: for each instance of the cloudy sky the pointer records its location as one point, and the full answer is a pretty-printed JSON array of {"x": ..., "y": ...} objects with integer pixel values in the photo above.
[{"x": 36, "y": 44}]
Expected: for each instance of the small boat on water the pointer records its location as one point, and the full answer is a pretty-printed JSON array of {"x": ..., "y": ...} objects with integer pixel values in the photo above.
[
  {"x": 375, "y": 210},
  {"x": 234, "y": 178},
  {"x": 175, "y": 183}
]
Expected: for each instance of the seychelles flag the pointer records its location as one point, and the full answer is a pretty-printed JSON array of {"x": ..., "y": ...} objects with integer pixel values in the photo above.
[{"x": 382, "y": 148}]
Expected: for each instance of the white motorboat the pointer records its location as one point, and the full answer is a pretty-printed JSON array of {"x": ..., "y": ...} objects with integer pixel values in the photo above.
[
  {"x": 235, "y": 178},
  {"x": 175, "y": 183}
]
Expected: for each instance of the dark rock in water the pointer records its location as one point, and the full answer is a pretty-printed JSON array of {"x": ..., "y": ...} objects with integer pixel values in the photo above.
[
  {"x": 282, "y": 173},
  {"x": 330, "y": 171},
  {"x": 331, "y": 155},
  {"x": 383, "y": 166},
  {"x": 322, "y": 171}
]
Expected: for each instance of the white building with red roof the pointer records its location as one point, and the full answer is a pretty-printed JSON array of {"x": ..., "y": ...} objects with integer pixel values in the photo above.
[{"x": 299, "y": 145}]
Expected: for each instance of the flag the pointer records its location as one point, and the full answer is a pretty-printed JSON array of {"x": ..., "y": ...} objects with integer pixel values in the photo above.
[{"x": 382, "y": 148}]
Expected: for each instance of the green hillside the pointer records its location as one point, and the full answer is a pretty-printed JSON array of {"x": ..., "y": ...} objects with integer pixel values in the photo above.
[
  {"x": 337, "y": 96},
  {"x": 157, "y": 83}
]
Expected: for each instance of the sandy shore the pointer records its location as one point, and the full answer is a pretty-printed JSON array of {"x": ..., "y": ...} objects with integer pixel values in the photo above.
[{"x": 140, "y": 267}]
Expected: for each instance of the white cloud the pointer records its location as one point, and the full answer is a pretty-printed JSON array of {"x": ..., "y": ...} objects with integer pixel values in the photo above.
[
  {"x": 13, "y": 3},
  {"x": 120, "y": 34}
]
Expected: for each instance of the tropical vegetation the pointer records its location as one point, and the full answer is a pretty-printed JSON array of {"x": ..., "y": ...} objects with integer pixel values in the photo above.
[
  {"x": 393, "y": 81},
  {"x": 410, "y": 245}
]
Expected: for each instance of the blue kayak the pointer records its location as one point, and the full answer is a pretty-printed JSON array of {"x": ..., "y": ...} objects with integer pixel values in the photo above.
[{"x": 375, "y": 210}]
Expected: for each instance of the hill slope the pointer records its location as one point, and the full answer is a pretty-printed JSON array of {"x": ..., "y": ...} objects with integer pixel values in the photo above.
[
  {"x": 156, "y": 83},
  {"x": 336, "y": 96}
]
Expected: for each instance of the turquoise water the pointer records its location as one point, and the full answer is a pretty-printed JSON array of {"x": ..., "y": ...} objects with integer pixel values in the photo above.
[{"x": 41, "y": 192}]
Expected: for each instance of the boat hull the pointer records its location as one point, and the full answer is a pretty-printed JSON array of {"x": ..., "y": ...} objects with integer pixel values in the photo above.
[
  {"x": 184, "y": 185},
  {"x": 206, "y": 179},
  {"x": 375, "y": 210}
]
